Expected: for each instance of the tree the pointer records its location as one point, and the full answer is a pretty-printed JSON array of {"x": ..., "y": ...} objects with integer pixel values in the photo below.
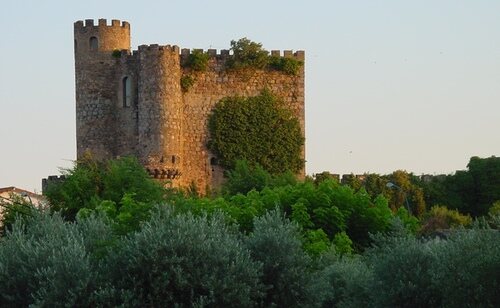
[
  {"x": 121, "y": 189},
  {"x": 247, "y": 54}
]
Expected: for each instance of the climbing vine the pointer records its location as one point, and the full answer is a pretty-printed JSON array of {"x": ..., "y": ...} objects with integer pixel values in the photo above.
[{"x": 258, "y": 129}]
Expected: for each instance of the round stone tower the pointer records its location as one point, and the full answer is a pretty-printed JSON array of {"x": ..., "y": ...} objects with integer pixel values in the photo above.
[
  {"x": 96, "y": 67},
  {"x": 160, "y": 110}
]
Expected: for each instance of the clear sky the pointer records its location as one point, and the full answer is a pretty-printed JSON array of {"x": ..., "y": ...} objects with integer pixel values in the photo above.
[{"x": 411, "y": 85}]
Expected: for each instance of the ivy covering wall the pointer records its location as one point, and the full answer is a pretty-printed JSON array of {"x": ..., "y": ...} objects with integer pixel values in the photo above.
[{"x": 260, "y": 130}]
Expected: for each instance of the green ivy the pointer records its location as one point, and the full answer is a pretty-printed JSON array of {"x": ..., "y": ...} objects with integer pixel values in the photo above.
[
  {"x": 187, "y": 82},
  {"x": 197, "y": 60},
  {"x": 290, "y": 66},
  {"x": 258, "y": 129},
  {"x": 117, "y": 54}
]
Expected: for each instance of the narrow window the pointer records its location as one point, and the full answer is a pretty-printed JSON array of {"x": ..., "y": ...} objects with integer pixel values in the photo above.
[
  {"x": 93, "y": 43},
  {"x": 127, "y": 92}
]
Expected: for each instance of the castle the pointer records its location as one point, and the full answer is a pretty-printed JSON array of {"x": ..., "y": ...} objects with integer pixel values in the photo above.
[{"x": 132, "y": 103}]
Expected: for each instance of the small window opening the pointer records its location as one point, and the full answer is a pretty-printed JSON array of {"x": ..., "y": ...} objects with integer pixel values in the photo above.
[
  {"x": 93, "y": 43},
  {"x": 127, "y": 92},
  {"x": 213, "y": 161}
]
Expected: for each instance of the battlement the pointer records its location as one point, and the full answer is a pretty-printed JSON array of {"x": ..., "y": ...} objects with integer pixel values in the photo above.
[
  {"x": 102, "y": 22},
  {"x": 224, "y": 53},
  {"x": 50, "y": 180},
  {"x": 159, "y": 48}
]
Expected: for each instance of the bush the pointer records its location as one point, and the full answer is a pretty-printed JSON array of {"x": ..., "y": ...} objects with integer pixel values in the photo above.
[
  {"x": 44, "y": 262},
  {"x": 187, "y": 81},
  {"x": 290, "y": 66},
  {"x": 402, "y": 272},
  {"x": 119, "y": 188},
  {"x": 247, "y": 54},
  {"x": 345, "y": 282},
  {"x": 442, "y": 218},
  {"x": 197, "y": 60},
  {"x": 182, "y": 260},
  {"x": 467, "y": 271},
  {"x": 275, "y": 243}
]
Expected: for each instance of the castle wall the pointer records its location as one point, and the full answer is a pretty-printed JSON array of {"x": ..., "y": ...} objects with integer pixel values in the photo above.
[
  {"x": 126, "y": 113},
  {"x": 213, "y": 85},
  {"x": 132, "y": 104}
]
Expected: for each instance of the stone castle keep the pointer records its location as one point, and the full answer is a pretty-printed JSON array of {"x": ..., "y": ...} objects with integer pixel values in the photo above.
[{"x": 131, "y": 103}]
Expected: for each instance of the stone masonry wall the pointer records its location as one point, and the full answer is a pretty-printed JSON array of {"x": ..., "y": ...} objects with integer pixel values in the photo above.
[
  {"x": 160, "y": 110},
  {"x": 164, "y": 127},
  {"x": 96, "y": 90},
  {"x": 209, "y": 88}
]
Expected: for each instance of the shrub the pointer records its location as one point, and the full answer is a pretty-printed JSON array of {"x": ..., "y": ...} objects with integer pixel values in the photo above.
[
  {"x": 243, "y": 178},
  {"x": 44, "y": 262},
  {"x": 182, "y": 260},
  {"x": 275, "y": 243},
  {"x": 118, "y": 188},
  {"x": 290, "y": 66},
  {"x": 442, "y": 218},
  {"x": 467, "y": 271},
  {"x": 345, "y": 282},
  {"x": 402, "y": 272},
  {"x": 197, "y": 60},
  {"x": 116, "y": 54},
  {"x": 187, "y": 81},
  {"x": 247, "y": 54}
]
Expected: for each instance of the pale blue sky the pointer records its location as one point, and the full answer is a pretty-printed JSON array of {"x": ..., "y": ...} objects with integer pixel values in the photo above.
[{"x": 411, "y": 85}]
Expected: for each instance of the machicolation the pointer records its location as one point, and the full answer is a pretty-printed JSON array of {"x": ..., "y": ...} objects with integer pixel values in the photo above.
[{"x": 131, "y": 102}]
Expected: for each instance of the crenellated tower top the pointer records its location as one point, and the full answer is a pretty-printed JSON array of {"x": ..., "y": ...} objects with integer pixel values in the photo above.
[{"x": 102, "y": 37}]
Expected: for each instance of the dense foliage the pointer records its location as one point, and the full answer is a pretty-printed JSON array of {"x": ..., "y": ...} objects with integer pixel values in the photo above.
[
  {"x": 258, "y": 129},
  {"x": 187, "y": 81},
  {"x": 121, "y": 189},
  {"x": 251, "y": 55},
  {"x": 471, "y": 191},
  {"x": 265, "y": 241},
  {"x": 197, "y": 60},
  {"x": 184, "y": 260}
]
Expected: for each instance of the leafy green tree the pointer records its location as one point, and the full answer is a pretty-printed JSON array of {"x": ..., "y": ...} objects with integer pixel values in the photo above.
[
  {"x": 197, "y": 60},
  {"x": 471, "y": 191},
  {"x": 259, "y": 130},
  {"x": 323, "y": 176},
  {"x": 442, "y": 218},
  {"x": 13, "y": 208},
  {"x": 316, "y": 242},
  {"x": 121, "y": 189},
  {"x": 343, "y": 244},
  {"x": 247, "y": 54}
]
